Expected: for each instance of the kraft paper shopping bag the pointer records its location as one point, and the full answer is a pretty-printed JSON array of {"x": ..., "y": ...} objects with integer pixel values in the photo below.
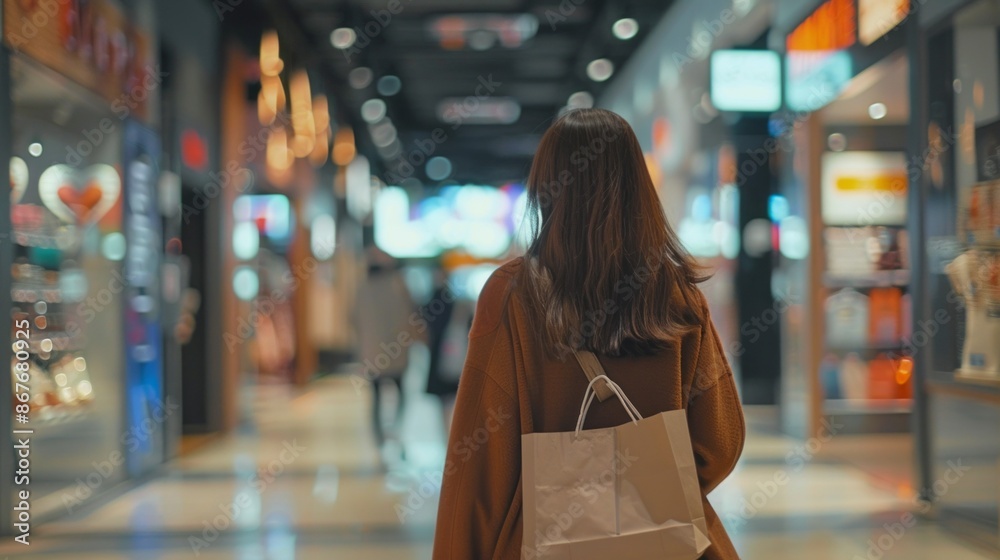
[{"x": 627, "y": 492}]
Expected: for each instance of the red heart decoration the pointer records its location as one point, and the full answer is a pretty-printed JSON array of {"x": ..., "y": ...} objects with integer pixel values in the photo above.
[
  {"x": 80, "y": 201},
  {"x": 80, "y": 196}
]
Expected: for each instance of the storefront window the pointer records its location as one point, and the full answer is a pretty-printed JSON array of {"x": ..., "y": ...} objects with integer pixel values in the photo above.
[
  {"x": 959, "y": 327},
  {"x": 961, "y": 171},
  {"x": 67, "y": 283}
]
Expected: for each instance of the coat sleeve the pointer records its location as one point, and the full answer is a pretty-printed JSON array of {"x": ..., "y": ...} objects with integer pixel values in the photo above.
[
  {"x": 483, "y": 465},
  {"x": 715, "y": 417}
]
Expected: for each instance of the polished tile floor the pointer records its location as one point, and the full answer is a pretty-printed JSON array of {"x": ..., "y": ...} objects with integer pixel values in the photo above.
[{"x": 303, "y": 480}]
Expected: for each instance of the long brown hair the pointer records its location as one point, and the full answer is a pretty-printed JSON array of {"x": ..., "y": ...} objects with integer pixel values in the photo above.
[{"x": 604, "y": 269}]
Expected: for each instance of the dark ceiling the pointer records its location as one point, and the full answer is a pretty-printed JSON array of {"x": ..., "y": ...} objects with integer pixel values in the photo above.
[{"x": 540, "y": 74}]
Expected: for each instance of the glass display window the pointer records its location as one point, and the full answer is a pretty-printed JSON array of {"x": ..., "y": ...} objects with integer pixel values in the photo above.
[{"x": 67, "y": 282}]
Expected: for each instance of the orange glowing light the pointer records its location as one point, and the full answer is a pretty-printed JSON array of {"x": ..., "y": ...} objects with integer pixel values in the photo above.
[
  {"x": 661, "y": 135},
  {"x": 904, "y": 371},
  {"x": 279, "y": 156},
  {"x": 321, "y": 149},
  {"x": 343, "y": 146},
  {"x": 321, "y": 112},
  {"x": 265, "y": 110},
  {"x": 270, "y": 61},
  {"x": 303, "y": 122},
  {"x": 272, "y": 92}
]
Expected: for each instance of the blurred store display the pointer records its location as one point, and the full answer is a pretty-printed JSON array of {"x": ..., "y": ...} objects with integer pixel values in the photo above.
[{"x": 482, "y": 220}]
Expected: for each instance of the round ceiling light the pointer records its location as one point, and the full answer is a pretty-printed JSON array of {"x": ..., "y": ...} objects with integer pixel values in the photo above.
[
  {"x": 438, "y": 168},
  {"x": 360, "y": 77},
  {"x": 373, "y": 110},
  {"x": 877, "y": 111},
  {"x": 580, "y": 100},
  {"x": 388, "y": 86},
  {"x": 343, "y": 37},
  {"x": 600, "y": 70},
  {"x": 625, "y": 29}
]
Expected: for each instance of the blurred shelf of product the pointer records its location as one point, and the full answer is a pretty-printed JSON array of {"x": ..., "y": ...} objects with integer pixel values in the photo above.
[
  {"x": 876, "y": 279},
  {"x": 844, "y": 171},
  {"x": 840, "y": 407},
  {"x": 971, "y": 376},
  {"x": 956, "y": 139},
  {"x": 85, "y": 245}
]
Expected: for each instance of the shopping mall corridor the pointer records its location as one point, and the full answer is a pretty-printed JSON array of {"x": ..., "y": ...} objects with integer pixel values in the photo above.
[{"x": 331, "y": 498}]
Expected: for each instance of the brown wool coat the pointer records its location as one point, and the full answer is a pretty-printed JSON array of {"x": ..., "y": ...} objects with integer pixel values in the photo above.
[{"x": 510, "y": 387}]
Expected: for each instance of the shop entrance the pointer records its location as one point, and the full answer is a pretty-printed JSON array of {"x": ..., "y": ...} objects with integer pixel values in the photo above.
[
  {"x": 195, "y": 380},
  {"x": 866, "y": 362},
  {"x": 848, "y": 181}
]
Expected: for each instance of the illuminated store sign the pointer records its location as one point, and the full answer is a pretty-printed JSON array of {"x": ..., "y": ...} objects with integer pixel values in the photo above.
[
  {"x": 480, "y": 220},
  {"x": 817, "y": 65},
  {"x": 864, "y": 188},
  {"x": 814, "y": 79},
  {"x": 746, "y": 80},
  {"x": 143, "y": 353},
  {"x": 878, "y": 17},
  {"x": 831, "y": 27}
]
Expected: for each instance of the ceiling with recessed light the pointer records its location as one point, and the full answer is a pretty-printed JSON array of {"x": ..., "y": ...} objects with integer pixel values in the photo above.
[{"x": 474, "y": 81}]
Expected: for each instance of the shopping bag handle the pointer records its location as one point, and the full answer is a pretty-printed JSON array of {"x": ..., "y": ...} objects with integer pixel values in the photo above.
[
  {"x": 592, "y": 368},
  {"x": 588, "y": 398}
]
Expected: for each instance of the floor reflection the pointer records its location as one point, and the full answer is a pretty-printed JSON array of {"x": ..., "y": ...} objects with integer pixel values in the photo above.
[{"x": 304, "y": 481}]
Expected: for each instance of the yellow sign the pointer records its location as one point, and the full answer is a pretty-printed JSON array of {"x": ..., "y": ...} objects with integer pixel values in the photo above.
[{"x": 894, "y": 182}]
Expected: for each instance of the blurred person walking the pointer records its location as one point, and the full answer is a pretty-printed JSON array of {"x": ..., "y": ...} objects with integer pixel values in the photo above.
[
  {"x": 385, "y": 334},
  {"x": 447, "y": 341},
  {"x": 604, "y": 273}
]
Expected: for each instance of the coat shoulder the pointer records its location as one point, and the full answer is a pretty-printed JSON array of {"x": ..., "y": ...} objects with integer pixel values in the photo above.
[{"x": 494, "y": 297}]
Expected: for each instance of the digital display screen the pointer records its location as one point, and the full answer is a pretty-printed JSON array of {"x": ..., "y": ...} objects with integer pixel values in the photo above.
[
  {"x": 481, "y": 220},
  {"x": 271, "y": 213},
  {"x": 746, "y": 80}
]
